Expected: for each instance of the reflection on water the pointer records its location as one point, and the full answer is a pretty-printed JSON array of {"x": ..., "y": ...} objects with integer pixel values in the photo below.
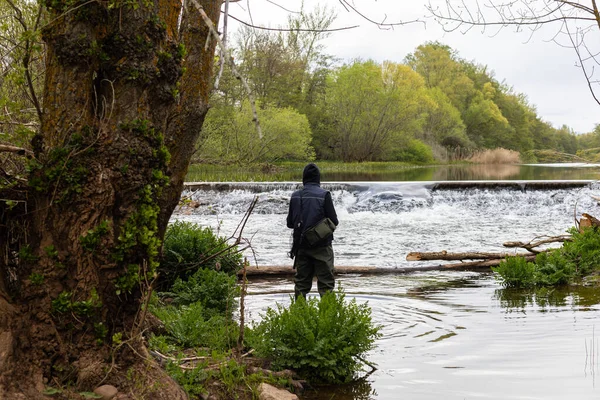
[
  {"x": 478, "y": 172},
  {"x": 425, "y": 173},
  {"x": 548, "y": 298},
  {"x": 360, "y": 390},
  {"x": 459, "y": 335}
]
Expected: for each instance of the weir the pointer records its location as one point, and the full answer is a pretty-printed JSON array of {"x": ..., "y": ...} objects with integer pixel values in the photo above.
[
  {"x": 259, "y": 187},
  {"x": 381, "y": 222}
]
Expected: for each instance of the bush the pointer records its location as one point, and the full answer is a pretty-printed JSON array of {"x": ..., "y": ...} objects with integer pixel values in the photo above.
[
  {"x": 553, "y": 268},
  {"x": 188, "y": 247},
  {"x": 191, "y": 326},
  {"x": 214, "y": 290},
  {"x": 415, "y": 152},
  {"x": 516, "y": 272},
  {"x": 229, "y": 135},
  {"x": 320, "y": 339},
  {"x": 576, "y": 259},
  {"x": 583, "y": 251}
]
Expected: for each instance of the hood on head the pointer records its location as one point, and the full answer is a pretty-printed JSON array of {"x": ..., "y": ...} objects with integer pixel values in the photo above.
[{"x": 311, "y": 174}]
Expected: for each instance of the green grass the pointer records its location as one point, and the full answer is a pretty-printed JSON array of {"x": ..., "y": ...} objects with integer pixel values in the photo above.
[{"x": 286, "y": 171}]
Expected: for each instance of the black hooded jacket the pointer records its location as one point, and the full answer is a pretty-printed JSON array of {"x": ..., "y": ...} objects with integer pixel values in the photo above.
[{"x": 310, "y": 205}]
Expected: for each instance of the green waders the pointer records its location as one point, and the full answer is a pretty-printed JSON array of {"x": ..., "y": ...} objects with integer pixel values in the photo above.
[{"x": 310, "y": 262}]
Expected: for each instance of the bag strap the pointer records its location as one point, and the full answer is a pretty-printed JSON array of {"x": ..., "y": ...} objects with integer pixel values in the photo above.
[{"x": 301, "y": 223}]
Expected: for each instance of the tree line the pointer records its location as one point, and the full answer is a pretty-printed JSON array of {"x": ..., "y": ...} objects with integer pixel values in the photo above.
[{"x": 422, "y": 109}]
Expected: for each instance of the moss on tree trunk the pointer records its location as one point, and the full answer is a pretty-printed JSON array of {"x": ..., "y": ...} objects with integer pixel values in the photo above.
[{"x": 125, "y": 96}]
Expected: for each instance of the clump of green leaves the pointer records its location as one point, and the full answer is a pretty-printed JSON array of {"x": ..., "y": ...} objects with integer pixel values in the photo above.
[
  {"x": 575, "y": 260},
  {"x": 192, "y": 381},
  {"x": 85, "y": 308},
  {"x": 321, "y": 339},
  {"x": 26, "y": 254},
  {"x": 214, "y": 290},
  {"x": 188, "y": 247},
  {"x": 194, "y": 326},
  {"x": 36, "y": 279},
  {"x": 516, "y": 272},
  {"x": 93, "y": 236},
  {"x": 583, "y": 250}
]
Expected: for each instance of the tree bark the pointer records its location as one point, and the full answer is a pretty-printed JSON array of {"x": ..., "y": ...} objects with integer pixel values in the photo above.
[{"x": 125, "y": 95}]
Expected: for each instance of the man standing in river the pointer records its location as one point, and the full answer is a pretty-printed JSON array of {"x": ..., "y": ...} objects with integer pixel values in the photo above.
[{"x": 309, "y": 206}]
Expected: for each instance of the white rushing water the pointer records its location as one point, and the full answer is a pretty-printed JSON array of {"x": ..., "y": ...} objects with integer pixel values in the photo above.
[
  {"x": 380, "y": 222},
  {"x": 445, "y": 335}
]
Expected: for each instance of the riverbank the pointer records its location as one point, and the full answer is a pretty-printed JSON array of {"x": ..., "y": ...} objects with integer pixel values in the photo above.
[
  {"x": 392, "y": 171},
  {"x": 287, "y": 170}
]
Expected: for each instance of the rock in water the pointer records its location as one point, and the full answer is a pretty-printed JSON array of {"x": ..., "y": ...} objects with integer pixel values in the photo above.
[{"x": 268, "y": 392}]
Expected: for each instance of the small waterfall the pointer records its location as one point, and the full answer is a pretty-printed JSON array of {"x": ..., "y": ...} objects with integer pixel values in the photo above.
[{"x": 380, "y": 222}]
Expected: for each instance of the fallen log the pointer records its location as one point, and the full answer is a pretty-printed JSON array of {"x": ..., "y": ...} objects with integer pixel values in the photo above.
[
  {"x": 483, "y": 264},
  {"x": 444, "y": 255},
  {"x": 287, "y": 271}
]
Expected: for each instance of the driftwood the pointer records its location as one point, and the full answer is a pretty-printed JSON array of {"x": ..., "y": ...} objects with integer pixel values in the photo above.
[
  {"x": 444, "y": 255},
  {"x": 484, "y": 260},
  {"x": 531, "y": 246},
  {"x": 588, "y": 220},
  {"x": 472, "y": 265},
  {"x": 493, "y": 259}
]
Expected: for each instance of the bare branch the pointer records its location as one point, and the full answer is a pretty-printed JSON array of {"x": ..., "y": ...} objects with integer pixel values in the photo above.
[
  {"x": 381, "y": 25},
  {"x": 585, "y": 73},
  {"x": 283, "y": 8},
  {"x": 292, "y": 29},
  {"x": 232, "y": 65},
  {"x": 221, "y": 57}
]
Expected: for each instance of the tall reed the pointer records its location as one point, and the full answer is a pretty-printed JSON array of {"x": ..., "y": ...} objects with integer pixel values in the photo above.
[{"x": 496, "y": 156}]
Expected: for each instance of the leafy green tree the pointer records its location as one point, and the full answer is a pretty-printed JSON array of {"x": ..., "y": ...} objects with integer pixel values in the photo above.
[
  {"x": 486, "y": 126},
  {"x": 544, "y": 135},
  {"x": 566, "y": 140},
  {"x": 440, "y": 66},
  {"x": 21, "y": 78},
  {"x": 589, "y": 140},
  {"x": 376, "y": 109},
  {"x": 279, "y": 66},
  {"x": 443, "y": 123},
  {"x": 518, "y": 114},
  {"x": 229, "y": 136},
  {"x": 573, "y": 23}
]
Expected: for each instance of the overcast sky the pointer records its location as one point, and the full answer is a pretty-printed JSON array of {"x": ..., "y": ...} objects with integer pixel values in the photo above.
[{"x": 545, "y": 72}]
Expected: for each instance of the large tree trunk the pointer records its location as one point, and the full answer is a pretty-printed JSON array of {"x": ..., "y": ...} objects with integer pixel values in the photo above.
[{"x": 125, "y": 96}]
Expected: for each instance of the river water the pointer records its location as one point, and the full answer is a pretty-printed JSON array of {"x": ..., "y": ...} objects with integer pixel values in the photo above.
[{"x": 446, "y": 335}]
